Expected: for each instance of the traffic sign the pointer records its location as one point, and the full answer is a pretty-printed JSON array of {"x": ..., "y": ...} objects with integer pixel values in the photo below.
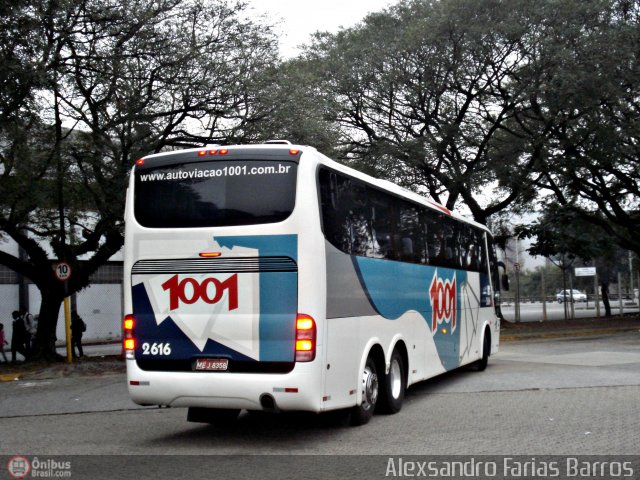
[
  {"x": 62, "y": 271},
  {"x": 585, "y": 271}
]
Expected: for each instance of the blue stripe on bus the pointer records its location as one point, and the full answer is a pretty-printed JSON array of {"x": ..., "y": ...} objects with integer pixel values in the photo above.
[{"x": 395, "y": 288}]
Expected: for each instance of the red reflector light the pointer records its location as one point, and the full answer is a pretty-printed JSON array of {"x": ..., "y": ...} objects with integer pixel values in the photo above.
[
  {"x": 140, "y": 161},
  {"x": 202, "y": 153},
  {"x": 223, "y": 151},
  {"x": 290, "y": 390},
  {"x": 210, "y": 254},
  {"x": 305, "y": 338},
  {"x": 293, "y": 151},
  {"x": 129, "y": 344},
  {"x": 212, "y": 152}
]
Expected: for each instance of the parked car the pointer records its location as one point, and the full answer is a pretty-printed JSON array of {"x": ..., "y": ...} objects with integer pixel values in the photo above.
[{"x": 565, "y": 296}]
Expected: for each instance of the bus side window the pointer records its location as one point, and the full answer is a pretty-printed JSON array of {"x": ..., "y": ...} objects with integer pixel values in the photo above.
[
  {"x": 335, "y": 210},
  {"x": 384, "y": 222},
  {"x": 358, "y": 218},
  {"x": 413, "y": 242},
  {"x": 435, "y": 238}
]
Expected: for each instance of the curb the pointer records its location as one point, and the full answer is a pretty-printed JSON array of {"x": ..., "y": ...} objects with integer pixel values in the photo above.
[
  {"x": 514, "y": 337},
  {"x": 12, "y": 377}
]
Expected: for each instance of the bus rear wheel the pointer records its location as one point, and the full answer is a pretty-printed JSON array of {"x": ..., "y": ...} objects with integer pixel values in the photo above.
[
  {"x": 394, "y": 385},
  {"x": 361, "y": 414},
  {"x": 221, "y": 417}
]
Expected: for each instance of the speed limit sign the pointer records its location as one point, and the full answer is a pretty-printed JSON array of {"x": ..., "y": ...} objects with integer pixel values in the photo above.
[{"x": 62, "y": 271}]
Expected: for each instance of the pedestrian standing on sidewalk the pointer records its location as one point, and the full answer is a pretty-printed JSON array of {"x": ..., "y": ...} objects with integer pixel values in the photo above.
[
  {"x": 18, "y": 337},
  {"x": 3, "y": 342},
  {"x": 78, "y": 327},
  {"x": 30, "y": 329}
]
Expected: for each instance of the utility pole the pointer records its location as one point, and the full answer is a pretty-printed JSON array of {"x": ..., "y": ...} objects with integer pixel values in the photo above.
[{"x": 63, "y": 235}]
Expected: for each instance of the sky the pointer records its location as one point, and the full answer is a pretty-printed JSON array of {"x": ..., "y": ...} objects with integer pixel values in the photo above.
[{"x": 300, "y": 19}]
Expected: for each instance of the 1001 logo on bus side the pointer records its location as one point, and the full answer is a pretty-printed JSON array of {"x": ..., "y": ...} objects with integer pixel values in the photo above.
[
  {"x": 444, "y": 300},
  {"x": 210, "y": 290}
]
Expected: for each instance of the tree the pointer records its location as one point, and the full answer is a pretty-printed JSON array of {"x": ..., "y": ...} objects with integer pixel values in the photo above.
[
  {"x": 587, "y": 104},
  {"x": 116, "y": 80},
  {"x": 428, "y": 93},
  {"x": 292, "y": 106}
]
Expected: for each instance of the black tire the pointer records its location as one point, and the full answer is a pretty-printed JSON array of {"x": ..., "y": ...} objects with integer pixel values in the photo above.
[
  {"x": 481, "y": 365},
  {"x": 221, "y": 417},
  {"x": 361, "y": 414},
  {"x": 393, "y": 387}
]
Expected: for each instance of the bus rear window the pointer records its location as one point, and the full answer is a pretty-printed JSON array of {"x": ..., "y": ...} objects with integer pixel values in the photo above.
[{"x": 215, "y": 194}]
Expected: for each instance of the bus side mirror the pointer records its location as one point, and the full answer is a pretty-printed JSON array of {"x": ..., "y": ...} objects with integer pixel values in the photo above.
[{"x": 505, "y": 278}]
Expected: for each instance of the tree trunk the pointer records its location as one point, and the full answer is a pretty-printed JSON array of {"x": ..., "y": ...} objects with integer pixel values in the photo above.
[{"x": 44, "y": 347}]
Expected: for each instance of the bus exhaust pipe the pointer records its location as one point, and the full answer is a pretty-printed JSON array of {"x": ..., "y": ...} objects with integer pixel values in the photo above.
[{"x": 268, "y": 403}]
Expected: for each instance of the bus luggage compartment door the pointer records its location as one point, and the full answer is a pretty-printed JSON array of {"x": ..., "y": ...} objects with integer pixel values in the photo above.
[{"x": 228, "y": 315}]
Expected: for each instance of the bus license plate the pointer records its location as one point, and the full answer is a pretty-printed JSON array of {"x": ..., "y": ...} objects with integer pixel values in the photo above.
[{"x": 212, "y": 364}]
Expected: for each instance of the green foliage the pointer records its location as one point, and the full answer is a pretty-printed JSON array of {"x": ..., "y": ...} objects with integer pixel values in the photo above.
[{"x": 561, "y": 232}]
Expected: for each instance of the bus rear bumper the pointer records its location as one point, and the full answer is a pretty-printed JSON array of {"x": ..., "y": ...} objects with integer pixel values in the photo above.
[{"x": 299, "y": 389}]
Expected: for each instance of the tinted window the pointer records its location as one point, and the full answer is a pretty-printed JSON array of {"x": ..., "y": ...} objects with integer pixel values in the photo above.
[
  {"x": 384, "y": 220},
  {"x": 362, "y": 220},
  {"x": 219, "y": 193}
]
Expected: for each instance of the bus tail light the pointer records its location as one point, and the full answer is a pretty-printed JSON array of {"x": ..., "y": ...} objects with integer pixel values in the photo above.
[
  {"x": 305, "y": 338},
  {"x": 129, "y": 339}
]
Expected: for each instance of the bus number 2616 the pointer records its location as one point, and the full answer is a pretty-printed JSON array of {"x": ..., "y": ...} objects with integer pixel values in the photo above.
[{"x": 156, "y": 348}]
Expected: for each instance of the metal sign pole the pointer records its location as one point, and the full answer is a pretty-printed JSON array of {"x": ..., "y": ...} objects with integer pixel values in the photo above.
[{"x": 62, "y": 271}]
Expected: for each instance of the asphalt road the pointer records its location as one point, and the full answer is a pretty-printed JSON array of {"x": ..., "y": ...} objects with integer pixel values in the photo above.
[{"x": 553, "y": 397}]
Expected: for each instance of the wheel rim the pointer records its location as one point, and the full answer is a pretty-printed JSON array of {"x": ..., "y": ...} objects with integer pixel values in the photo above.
[
  {"x": 395, "y": 378},
  {"x": 369, "y": 388}
]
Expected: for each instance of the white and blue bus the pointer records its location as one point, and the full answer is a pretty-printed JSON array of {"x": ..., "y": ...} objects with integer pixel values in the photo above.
[{"x": 269, "y": 277}]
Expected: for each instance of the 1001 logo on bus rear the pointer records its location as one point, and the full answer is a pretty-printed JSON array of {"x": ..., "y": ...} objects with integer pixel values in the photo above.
[{"x": 210, "y": 290}]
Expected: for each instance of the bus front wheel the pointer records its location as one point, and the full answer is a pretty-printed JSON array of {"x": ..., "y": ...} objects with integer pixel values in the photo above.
[
  {"x": 361, "y": 414},
  {"x": 481, "y": 365}
]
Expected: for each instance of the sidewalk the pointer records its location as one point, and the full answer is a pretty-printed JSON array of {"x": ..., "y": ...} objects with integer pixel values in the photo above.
[
  {"x": 578, "y": 327},
  {"x": 99, "y": 359}
]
